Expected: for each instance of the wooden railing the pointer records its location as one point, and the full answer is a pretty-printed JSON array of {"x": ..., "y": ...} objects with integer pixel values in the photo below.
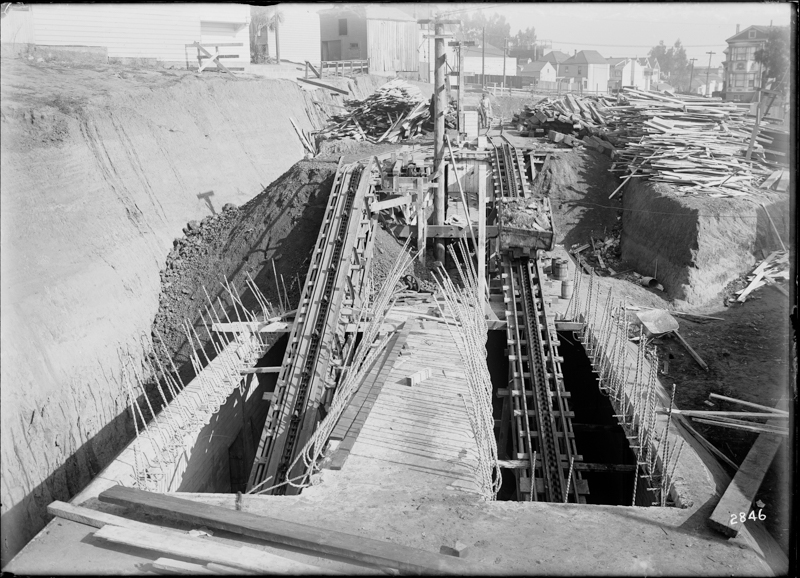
[
  {"x": 203, "y": 54},
  {"x": 339, "y": 68}
]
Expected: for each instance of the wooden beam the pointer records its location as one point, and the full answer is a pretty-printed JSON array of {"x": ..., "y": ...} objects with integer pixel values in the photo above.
[
  {"x": 97, "y": 519},
  {"x": 180, "y": 567},
  {"x": 276, "y": 369},
  {"x": 389, "y": 203},
  {"x": 481, "y": 227},
  {"x": 444, "y": 231},
  {"x": 245, "y": 558},
  {"x": 270, "y": 529},
  {"x": 741, "y": 492},
  {"x": 252, "y": 327},
  {"x": 323, "y": 85}
]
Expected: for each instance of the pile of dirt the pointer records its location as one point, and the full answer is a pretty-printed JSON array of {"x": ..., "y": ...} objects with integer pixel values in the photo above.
[
  {"x": 578, "y": 184},
  {"x": 698, "y": 244},
  {"x": 280, "y": 224}
]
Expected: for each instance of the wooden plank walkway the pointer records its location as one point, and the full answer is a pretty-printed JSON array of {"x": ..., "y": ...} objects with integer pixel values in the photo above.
[{"x": 418, "y": 437}]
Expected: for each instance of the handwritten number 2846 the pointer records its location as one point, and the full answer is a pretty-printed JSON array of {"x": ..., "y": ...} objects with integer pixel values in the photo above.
[{"x": 742, "y": 517}]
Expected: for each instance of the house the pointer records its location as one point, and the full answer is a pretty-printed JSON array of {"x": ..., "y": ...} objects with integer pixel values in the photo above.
[
  {"x": 556, "y": 58},
  {"x": 487, "y": 58},
  {"x": 743, "y": 73},
  {"x": 388, "y": 37},
  {"x": 297, "y": 35},
  {"x": 539, "y": 71},
  {"x": 590, "y": 68},
  {"x": 706, "y": 81},
  {"x": 651, "y": 71},
  {"x": 635, "y": 72},
  {"x": 148, "y": 33}
]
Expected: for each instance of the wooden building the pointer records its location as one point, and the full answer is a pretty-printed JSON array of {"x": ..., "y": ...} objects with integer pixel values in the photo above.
[
  {"x": 154, "y": 33},
  {"x": 388, "y": 37},
  {"x": 297, "y": 35}
]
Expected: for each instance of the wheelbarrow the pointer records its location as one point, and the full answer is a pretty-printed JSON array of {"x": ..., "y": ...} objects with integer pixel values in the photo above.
[{"x": 657, "y": 322}]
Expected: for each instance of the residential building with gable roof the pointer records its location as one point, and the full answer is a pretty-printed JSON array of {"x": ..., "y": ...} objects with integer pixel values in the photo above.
[
  {"x": 590, "y": 69},
  {"x": 539, "y": 71},
  {"x": 556, "y": 58},
  {"x": 742, "y": 72}
]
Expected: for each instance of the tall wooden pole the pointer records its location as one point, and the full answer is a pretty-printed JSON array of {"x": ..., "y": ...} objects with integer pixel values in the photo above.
[
  {"x": 708, "y": 72},
  {"x": 483, "y": 59},
  {"x": 691, "y": 74},
  {"x": 505, "y": 53},
  {"x": 460, "y": 87},
  {"x": 439, "y": 110}
]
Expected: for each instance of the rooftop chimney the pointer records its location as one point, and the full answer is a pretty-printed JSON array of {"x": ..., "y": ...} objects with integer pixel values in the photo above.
[{"x": 737, "y": 29}]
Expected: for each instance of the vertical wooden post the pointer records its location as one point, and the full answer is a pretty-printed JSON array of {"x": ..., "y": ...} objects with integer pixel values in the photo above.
[
  {"x": 306, "y": 68},
  {"x": 439, "y": 110},
  {"x": 421, "y": 229},
  {"x": 481, "y": 229}
]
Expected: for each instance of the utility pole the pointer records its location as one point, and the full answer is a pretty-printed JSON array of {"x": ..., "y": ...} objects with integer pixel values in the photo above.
[
  {"x": 505, "y": 53},
  {"x": 459, "y": 46},
  {"x": 708, "y": 72},
  {"x": 483, "y": 59},
  {"x": 691, "y": 74},
  {"x": 439, "y": 111}
]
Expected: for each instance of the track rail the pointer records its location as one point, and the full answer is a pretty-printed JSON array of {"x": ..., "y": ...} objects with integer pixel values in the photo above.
[
  {"x": 335, "y": 276},
  {"x": 508, "y": 171}
]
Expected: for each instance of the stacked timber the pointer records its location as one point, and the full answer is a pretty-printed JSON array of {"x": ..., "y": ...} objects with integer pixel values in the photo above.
[
  {"x": 566, "y": 115},
  {"x": 397, "y": 110},
  {"x": 697, "y": 144},
  {"x": 771, "y": 271}
]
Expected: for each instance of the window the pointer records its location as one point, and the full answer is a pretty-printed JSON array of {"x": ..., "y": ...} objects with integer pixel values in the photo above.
[
  {"x": 342, "y": 26},
  {"x": 751, "y": 34},
  {"x": 354, "y": 45},
  {"x": 580, "y": 70},
  {"x": 740, "y": 66},
  {"x": 566, "y": 69}
]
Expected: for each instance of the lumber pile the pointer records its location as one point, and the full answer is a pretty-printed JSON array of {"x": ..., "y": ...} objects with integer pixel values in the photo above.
[
  {"x": 567, "y": 115},
  {"x": 397, "y": 110},
  {"x": 773, "y": 269},
  {"x": 600, "y": 253},
  {"x": 777, "y": 181},
  {"x": 696, "y": 144}
]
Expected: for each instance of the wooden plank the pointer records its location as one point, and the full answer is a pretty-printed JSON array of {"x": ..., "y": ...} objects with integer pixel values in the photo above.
[
  {"x": 180, "y": 567},
  {"x": 250, "y": 327},
  {"x": 482, "y": 287},
  {"x": 97, "y": 519},
  {"x": 250, "y": 559},
  {"x": 741, "y": 492},
  {"x": 323, "y": 85},
  {"x": 360, "y": 548},
  {"x": 276, "y": 369},
  {"x": 749, "y": 404},
  {"x": 444, "y": 231},
  {"x": 389, "y": 203}
]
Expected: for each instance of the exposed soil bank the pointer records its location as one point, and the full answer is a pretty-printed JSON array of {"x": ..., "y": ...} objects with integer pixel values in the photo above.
[
  {"x": 102, "y": 167},
  {"x": 700, "y": 243}
]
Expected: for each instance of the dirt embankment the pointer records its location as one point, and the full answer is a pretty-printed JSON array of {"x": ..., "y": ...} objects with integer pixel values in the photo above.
[
  {"x": 697, "y": 244},
  {"x": 102, "y": 167}
]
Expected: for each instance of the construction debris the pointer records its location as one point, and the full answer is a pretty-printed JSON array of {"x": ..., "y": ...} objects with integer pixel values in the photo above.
[
  {"x": 772, "y": 269},
  {"x": 695, "y": 143},
  {"x": 567, "y": 115},
  {"x": 418, "y": 377},
  {"x": 395, "y": 111}
]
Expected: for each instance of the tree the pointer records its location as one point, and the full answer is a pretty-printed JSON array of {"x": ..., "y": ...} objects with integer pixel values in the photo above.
[
  {"x": 774, "y": 57},
  {"x": 262, "y": 17},
  {"x": 673, "y": 63},
  {"x": 524, "y": 38},
  {"x": 497, "y": 29}
]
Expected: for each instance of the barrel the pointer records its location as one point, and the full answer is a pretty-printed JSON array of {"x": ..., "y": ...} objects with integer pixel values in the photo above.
[
  {"x": 566, "y": 288},
  {"x": 560, "y": 269}
]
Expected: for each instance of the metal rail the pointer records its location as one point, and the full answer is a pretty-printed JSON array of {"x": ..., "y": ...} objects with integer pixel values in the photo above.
[
  {"x": 336, "y": 275},
  {"x": 509, "y": 175},
  {"x": 535, "y": 373}
]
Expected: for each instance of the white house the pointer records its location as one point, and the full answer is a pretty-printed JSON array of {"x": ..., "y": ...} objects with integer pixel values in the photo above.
[
  {"x": 298, "y": 34},
  {"x": 155, "y": 32},
  {"x": 539, "y": 71},
  {"x": 636, "y": 72},
  {"x": 590, "y": 68}
]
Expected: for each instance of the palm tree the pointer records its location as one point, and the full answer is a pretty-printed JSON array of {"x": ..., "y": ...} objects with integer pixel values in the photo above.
[{"x": 271, "y": 19}]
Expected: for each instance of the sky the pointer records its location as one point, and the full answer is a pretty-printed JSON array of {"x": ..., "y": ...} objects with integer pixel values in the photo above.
[{"x": 631, "y": 29}]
